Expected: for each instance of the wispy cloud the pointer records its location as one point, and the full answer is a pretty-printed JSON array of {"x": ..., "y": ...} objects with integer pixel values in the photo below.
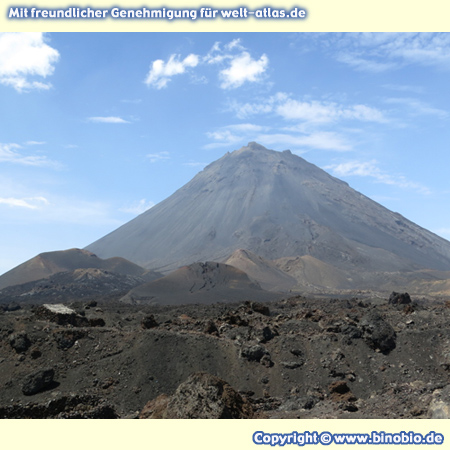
[
  {"x": 417, "y": 107},
  {"x": 378, "y": 52},
  {"x": 35, "y": 143},
  {"x": 156, "y": 157},
  {"x": 321, "y": 140},
  {"x": 138, "y": 207},
  {"x": 370, "y": 169},
  {"x": 109, "y": 119},
  {"x": 9, "y": 154},
  {"x": 161, "y": 72},
  {"x": 232, "y": 134},
  {"x": 319, "y": 111},
  {"x": 28, "y": 203},
  {"x": 295, "y": 139},
  {"x": 25, "y": 60},
  {"x": 307, "y": 110}
]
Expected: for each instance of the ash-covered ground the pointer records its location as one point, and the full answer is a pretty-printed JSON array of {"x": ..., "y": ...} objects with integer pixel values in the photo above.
[{"x": 294, "y": 358}]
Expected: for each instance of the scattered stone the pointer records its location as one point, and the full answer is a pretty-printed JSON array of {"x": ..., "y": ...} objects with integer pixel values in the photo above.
[
  {"x": 266, "y": 360},
  {"x": 11, "y": 307},
  {"x": 210, "y": 328},
  {"x": 19, "y": 341},
  {"x": 35, "y": 353},
  {"x": 38, "y": 381},
  {"x": 96, "y": 322},
  {"x": 65, "y": 339},
  {"x": 377, "y": 333},
  {"x": 235, "y": 319},
  {"x": 291, "y": 364},
  {"x": 260, "y": 308},
  {"x": 340, "y": 392},
  {"x": 149, "y": 321},
  {"x": 264, "y": 334},
  {"x": 253, "y": 352},
  {"x": 397, "y": 298},
  {"x": 440, "y": 405}
]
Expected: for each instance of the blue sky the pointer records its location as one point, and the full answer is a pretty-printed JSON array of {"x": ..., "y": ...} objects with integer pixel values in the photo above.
[{"x": 97, "y": 127}]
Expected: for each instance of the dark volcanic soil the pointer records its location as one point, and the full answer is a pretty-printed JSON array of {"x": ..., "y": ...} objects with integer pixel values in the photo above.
[{"x": 307, "y": 358}]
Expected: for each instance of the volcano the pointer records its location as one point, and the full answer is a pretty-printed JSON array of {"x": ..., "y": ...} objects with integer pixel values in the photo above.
[{"x": 276, "y": 205}]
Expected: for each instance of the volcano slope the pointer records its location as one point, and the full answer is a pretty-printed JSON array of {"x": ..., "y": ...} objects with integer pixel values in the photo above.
[
  {"x": 276, "y": 205},
  {"x": 50, "y": 263},
  {"x": 293, "y": 358},
  {"x": 204, "y": 283}
]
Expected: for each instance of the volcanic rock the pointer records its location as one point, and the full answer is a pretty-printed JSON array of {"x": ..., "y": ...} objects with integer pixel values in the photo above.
[
  {"x": 60, "y": 314},
  {"x": 38, "y": 381},
  {"x": 20, "y": 342},
  {"x": 399, "y": 299},
  {"x": 201, "y": 396},
  {"x": 377, "y": 333}
]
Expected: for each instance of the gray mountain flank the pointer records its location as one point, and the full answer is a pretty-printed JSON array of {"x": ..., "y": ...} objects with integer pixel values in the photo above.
[{"x": 276, "y": 205}]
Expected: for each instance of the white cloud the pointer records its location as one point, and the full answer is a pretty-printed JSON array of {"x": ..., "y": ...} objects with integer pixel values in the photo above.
[
  {"x": 110, "y": 119},
  {"x": 161, "y": 72},
  {"x": 236, "y": 66},
  {"x": 35, "y": 143},
  {"x": 25, "y": 57},
  {"x": 29, "y": 203},
  {"x": 370, "y": 169},
  {"x": 243, "y": 68},
  {"x": 416, "y": 107},
  {"x": 316, "y": 111},
  {"x": 138, "y": 207},
  {"x": 311, "y": 111},
  {"x": 9, "y": 154},
  {"x": 156, "y": 157},
  {"x": 233, "y": 134},
  {"x": 322, "y": 140},
  {"x": 377, "y": 52}
]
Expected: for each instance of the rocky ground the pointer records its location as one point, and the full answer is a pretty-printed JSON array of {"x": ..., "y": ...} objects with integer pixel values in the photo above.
[{"x": 294, "y": 358}]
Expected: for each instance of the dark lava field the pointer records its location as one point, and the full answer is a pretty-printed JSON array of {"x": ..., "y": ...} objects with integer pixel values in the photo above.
[{"x": 292, "y": 358}]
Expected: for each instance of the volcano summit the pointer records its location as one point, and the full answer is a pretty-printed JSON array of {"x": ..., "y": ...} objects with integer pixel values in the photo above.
[{"x": 276, "y": 205}]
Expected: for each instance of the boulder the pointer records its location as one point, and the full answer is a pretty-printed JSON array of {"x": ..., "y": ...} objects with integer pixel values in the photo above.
[
  {"x": 201, "y": 396},
  {"x": 38, "y": 381},
  {"x": 149, "y": 322},
  {"x": 19, "y": 342},
  {"x": 60, "y": 314},
  {"x": 397, "y": 298},
  {"x": 377, "y": 333}
]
